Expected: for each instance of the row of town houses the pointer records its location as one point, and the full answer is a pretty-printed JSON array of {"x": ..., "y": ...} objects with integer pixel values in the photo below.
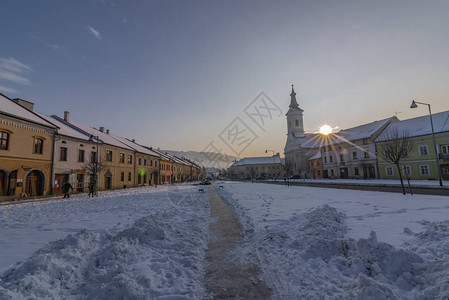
[
  {"x": 39, "y": 154},
  {"x": 354, "y": 152}
]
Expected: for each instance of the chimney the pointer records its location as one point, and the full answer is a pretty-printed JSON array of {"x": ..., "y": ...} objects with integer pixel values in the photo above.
[
  {"x": 27, "y": 104},
  {"x": 133, "y": 140},
  {"x": 102, "y": 129},
  {"x": 107, "y": 131},
  {"x": 67, "y": 116}
]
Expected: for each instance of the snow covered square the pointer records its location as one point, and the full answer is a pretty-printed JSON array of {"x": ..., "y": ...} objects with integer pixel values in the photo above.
[{"x": 149, "y": 243}]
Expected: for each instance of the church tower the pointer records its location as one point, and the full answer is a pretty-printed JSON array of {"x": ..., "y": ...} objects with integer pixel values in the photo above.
[
  {"x": 295, "y": 125},
  {"x": 295, "y": 156}
]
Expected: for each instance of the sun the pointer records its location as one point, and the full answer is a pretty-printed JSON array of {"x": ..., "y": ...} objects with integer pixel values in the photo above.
[{"x": 325, "y": 129}]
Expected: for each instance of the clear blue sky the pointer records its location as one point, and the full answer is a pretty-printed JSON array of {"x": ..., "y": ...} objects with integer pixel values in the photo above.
[{"x": 174, "y": 74}]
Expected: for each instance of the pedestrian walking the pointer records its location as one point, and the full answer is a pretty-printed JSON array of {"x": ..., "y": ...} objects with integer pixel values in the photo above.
[
  {"x": 65, "y": 188},
  {"x": 91, "y": 188}
]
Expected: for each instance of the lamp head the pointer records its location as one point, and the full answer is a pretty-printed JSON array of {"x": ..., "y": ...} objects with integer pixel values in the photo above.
[{"x": 414, "y": 105}]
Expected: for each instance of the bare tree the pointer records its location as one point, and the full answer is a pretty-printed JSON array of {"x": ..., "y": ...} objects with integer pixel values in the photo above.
[
  {"x": 253, "y": 174},
  {"x": 288, "y": 170},
  {"x": 94, "y": 166},
  {"x": 394, "y": 147}
]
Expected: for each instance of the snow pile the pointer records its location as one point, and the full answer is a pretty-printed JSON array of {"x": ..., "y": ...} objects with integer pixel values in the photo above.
[
  {"x": 309, "y": 256},
  {"x": 158, "y": 256}
]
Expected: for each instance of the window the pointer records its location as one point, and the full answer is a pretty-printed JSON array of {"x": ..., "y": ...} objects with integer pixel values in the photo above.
[
  {"x": 319, "y": 173},
  {"x": 38, "y": 145},
  {"x": 122, "y": 176},
  {"x": 145, "y": 162},
  {"x": 389, "y": 171},
  {"x": 155, "y": 163},
  {"x": 80, "y": 155},
  {"x": 122, "y": 157},
  {"x": 424, "y": 170},
  {"x": 356, "y": 171},
  {"x": 354, "y": 155},
  {"x": 405, "y": 152},
  {"x": 129, "y": 176},
  {"x": 342, "y": 158},
  {"x": 331, "y": 159},
  {"x": 130, "y": 159},
  {"x": 151, "y": 163},
  {"x": 109, "y": 155},
  {"x": 407, "y": 170},
  {"x": 140, "y": 161},
  {"x": 4, "y": 140},
  {"x": 139, "y": 179},
  {"x": 318, "y": 163},
  {"x": 296, "y": 122},
  {"x": 63, "y": 154},
  {"x": 423, "y": 150},
  {"x": 445, "y": 149},
  {"x": 366, "y": 154},
  {"x": 365, "y": 141},
  {"x": 332, "y": 172},
  {"x": 325, "y": 159},
  {"x": 93, "y": 156}
]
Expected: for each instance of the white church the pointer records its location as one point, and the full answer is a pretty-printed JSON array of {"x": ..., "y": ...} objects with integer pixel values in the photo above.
[
  {"x": 296, "y": 151},
  {"x": 350, "y": 153}
]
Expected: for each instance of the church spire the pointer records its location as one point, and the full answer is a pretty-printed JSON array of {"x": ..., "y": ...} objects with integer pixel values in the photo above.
[{"x": 293, "y": 102}]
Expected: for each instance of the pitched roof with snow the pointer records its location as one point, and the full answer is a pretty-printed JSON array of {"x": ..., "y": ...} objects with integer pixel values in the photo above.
[
  {"x": 9, "y": 107},
  {"x": 258, "y": 160},
  {"x": 102, "y": 137},
  {"x": 134, "y": 145},
  {"x": 64, "y": 129},
  {"x": 316, "y": 156},
  {"x": 165, "y": 155},
  {"x": 351, "y": 134},
  {"x": 417, "y": 126}
]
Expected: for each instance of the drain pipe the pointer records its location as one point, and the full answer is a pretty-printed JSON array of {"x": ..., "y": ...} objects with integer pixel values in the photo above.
[{"x": 52, "y": 169}]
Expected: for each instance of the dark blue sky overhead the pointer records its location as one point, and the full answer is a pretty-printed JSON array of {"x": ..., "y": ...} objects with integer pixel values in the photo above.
[{"x": 174, "y": 74}]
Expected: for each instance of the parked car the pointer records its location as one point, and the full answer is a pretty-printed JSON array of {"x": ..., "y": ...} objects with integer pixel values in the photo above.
[
  {"x": 261, "y": 178},
  {"x": 295, "y": 177},
  {"x": 205, "y": 182}
]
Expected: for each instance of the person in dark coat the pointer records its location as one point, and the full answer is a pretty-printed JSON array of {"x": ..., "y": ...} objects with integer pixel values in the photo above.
[
  {"x": 91, "y": 189},
  {"x": 65, "y": 188}
]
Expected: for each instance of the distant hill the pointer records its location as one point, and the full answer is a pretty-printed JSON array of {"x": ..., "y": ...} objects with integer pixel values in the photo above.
[{"x": 206, "y": 159}]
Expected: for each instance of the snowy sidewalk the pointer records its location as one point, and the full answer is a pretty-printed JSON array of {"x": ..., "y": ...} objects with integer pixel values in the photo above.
[
  {"x": 144, "y": 243},
  {"x": 225, "y": 278}
]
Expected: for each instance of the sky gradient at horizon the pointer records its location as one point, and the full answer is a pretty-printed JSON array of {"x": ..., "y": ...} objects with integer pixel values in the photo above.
[{"x": 175, "y": 74}]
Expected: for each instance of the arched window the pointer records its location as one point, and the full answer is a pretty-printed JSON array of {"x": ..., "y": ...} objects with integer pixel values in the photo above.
[
  {"x": 38, "y": 145},
  {"x": 4, "y": 140}
]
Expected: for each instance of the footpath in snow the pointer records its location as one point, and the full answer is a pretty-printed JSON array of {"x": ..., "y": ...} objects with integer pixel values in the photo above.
[
  {"x": 226, "y": 278},
  {"x": 313, "y": 243}
]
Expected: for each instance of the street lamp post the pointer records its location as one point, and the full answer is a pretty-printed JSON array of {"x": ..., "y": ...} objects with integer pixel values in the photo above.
[{"x": 414, "y": 105}]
